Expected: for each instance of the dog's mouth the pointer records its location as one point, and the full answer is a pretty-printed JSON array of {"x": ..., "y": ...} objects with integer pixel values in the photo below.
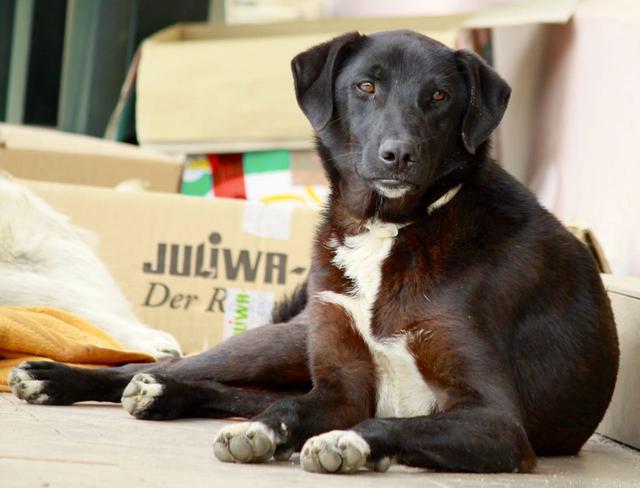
[{"x": 391, "y": 188}]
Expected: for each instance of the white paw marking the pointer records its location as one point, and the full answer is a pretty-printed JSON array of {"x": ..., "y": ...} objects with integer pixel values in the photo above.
[
  {"x": 26, "y": 388},
  {"x": 338, "y": 451},
  {"x": 246, "y": 442},
  {"x": 140, "y": 393}
]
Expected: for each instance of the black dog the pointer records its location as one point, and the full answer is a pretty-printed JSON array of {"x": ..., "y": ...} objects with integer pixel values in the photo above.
[{"x": 451, "y": 322}]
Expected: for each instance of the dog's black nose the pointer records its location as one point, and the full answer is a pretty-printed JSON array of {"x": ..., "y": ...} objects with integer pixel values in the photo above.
[{"x": 396, "y": 153}]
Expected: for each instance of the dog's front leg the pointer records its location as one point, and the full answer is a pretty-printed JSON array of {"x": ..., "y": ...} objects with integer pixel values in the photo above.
[
  {"x": 343, "y": 395},
  {"x": 477, "y": 439}
]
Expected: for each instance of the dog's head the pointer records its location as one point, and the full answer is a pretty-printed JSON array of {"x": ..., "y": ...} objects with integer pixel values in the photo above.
[{"x": 395, "y": 113}]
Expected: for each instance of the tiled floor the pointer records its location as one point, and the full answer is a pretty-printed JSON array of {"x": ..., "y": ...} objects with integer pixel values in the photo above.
[{"x": 101, "y": 445}]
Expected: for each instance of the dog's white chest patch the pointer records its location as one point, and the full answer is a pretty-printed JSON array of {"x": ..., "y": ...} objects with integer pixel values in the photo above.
[{"x": 401, "y": 389}]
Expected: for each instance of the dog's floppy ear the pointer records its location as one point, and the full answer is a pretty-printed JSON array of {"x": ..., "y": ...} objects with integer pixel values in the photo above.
[
  {"x": 488, "y": 98},
  {"x": 314, "y": 73}
]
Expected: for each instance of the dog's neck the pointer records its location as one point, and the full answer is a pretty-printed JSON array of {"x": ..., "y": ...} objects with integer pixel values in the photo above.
[
  {"x": 382, "y": 229},
  {"x": 358, "y": 209},
  {"x": 351, "y": 224}
]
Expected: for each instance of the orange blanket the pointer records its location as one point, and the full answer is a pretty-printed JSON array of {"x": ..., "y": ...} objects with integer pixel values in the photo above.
[{"x": 36, "y": 333}]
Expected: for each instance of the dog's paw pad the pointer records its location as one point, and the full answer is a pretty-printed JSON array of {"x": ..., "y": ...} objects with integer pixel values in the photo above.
[
  {"x": 140, "y": 393},
  {"x": 338, "y": 451},
  {"x": 26, "y": 387},
  {"x": 247, "y": 442}
]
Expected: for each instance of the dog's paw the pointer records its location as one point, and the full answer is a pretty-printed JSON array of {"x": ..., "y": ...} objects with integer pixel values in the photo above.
[
  {"x": 140, "y": 394},
  {"x": 338, "y": 451},
  {"x": 246, "y": 442},
  {"x": 42, "y": 382},
  {"x": 156, "y": 397},
  {"x": 26, "y": 386}
]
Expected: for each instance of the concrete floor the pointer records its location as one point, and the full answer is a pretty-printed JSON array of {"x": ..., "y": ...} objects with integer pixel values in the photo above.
[{"x": 90, "y": 445}]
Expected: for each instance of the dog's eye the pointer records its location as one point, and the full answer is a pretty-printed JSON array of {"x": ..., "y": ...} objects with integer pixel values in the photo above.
[
  {"x": 366, "y": 87},
  {"x": 438, "y": 96}
]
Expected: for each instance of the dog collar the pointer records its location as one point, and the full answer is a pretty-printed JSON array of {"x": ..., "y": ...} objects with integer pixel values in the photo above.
[
  {"x": 444, "y": 199},
  {"x": 385, "y": 230}
]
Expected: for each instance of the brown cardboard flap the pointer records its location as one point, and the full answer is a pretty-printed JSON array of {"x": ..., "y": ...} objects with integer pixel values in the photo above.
[
  {"x": 588, "y": 238},
  {"x": 49, "y": 155},
  {"x": 18, "y": 137}
]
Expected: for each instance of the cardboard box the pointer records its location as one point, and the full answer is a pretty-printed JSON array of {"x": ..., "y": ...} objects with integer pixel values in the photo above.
[
  {"x": 204, "y": 83},
  {"x": 621, "y": 421},
  {"x": 229, "y": 88},
  {"x": 200, "y": 269},
  {"x": 48, "y": 155}
]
